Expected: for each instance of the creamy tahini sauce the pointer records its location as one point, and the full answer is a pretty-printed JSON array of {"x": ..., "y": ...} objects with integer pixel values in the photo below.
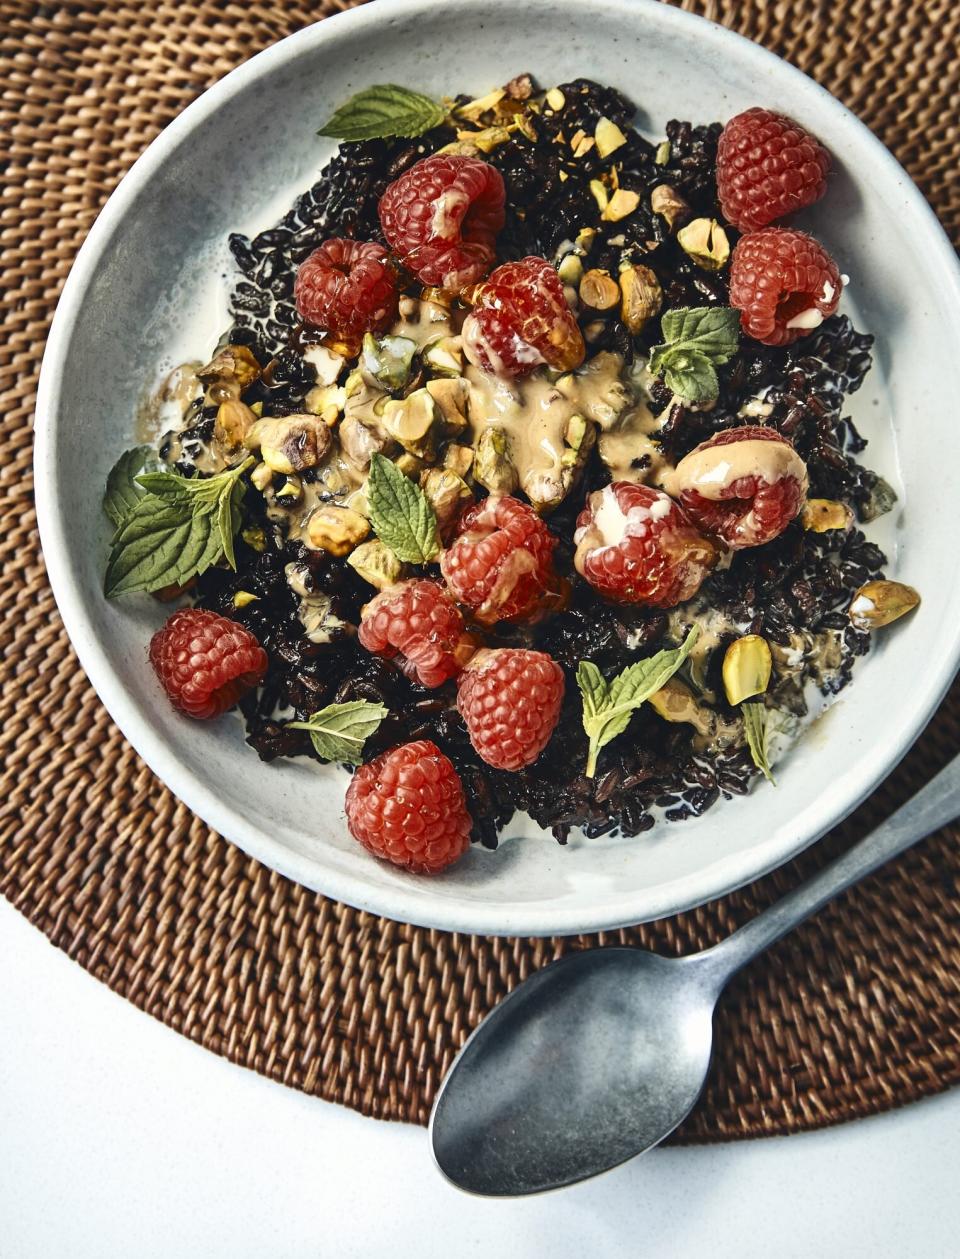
[{"x": 711, "y": 472}]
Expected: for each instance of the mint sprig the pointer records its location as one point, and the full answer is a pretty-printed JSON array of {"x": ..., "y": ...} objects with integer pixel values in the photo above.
[
  {"x": 339, "y": 731},
  {"x": 757, "y": 728},
  {"x": 608, "y": 706},
  {"x": 122, "y": 493},
  {"x": 401, "y": 514},
  {"x": 384, "y": 110},
  {"x": 696, "y": 341},
  {"x": 175, "y": 531}
]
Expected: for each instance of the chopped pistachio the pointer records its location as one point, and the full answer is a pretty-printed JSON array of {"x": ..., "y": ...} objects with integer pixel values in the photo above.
[
  {"x": 354, "y": 383},
  {"x": 486, "y": 140},
  {"x": 243, "y": 598},
  {"x": 231, "y": 370},
  {"x": 291, "y": 488},
  {"x": 705, "y": 241},
  {"x": 448, "y": 494},
  {"x": 325, "y": 363},
  {"x": 376, "y": 564},
  {"x": 290, "y": 443},
  {"x": 520, "y": 88},
  {"x": 620, "y": 205},
  {"x": 255, "y": 538},
  {"x": 880, "y": 602},
  {"x": 257, "y": 409},
  {"x": 459, "y": 459},
  {"x": 563, "y": 176},
  {"x": 585, "y": 238},
  {"x": 609, "y": 137},
  {"x": 662, "y": 155},
  {"x": 336, "y": 529},
  {"x": 234, "y": 421},
  {"x": 410, "y": 465},
  {"x": 570, "y": 269},
  {"x": 577, "y": 138},
  {"x": 583, "y": 146},
  {"x": 460, "y": 148},
  {"x": 388, "y": 360},
  {"x": 445, "y": 356},
  {"x": 747, "y": 666},
  {"x": 556, "y": 99},
  {"x": 450, "y": 393},
  {"x": 493, "y": 466},
  {"x": 600, "y": 194},
  {"x": 475, "y": 108},
  {"x": 881, "y": 499},
  {"x": 524, "y": 124},
  {"x": 413, "y": 421},
  {"x": 819, "y": 515},
  {"x": 326, "y": 401},
  {"x": 358, "y": 442},
  {"x": 261, "y": 476},
  {"x": 667, "y": 202},
  {"x": 641, "y": 296},
  {"x": 599, "y": 290}
]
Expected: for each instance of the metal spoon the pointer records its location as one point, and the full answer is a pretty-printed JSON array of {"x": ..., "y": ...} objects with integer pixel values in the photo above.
[{"x": 599, "y": 1056}]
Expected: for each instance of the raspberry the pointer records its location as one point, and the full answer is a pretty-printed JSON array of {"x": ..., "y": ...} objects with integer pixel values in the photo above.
[
  {"x": 521, "y": 319},
  {"x": 636, "y": 545},
  {"x": 407, "y": 807},
  {"x": 205, "y": 662},
  {"x": 347, "y": 287},
  {"x": 441, "y": 218},
  {"x": 510, "y": 700},
  {"x": 768, "y": 166},
  {"x": 419, "y": 621},
  {"x": 745, "y": 485},
  {"x": 783, "y": 283},
  {"x": 500, "y": 562}
]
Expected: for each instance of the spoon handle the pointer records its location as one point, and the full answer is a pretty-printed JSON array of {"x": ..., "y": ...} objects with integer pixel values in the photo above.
[{"x": 932, "y": 807}]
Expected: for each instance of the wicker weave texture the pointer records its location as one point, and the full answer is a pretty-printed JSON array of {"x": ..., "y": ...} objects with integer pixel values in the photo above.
[{"x": 854, "y": 1013}]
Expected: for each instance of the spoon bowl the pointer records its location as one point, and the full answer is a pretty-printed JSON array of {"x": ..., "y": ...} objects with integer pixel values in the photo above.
[{"x": 593, "y": 1060}]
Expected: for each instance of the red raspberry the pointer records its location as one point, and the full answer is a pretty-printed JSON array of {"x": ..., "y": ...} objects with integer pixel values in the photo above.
[
  {"x": 407, "y": 807},
  {"x": 500, "y": 562},
  {"x": 636, "y": 545},
  {"x": 521, "y": 319},
  {"x": 205, "y": 662},
  {"x": 419, "y": 621},
  {"x": 347, "y": 287},
  {"x": 784, "y": 283},
  {"x": 745, "y": 485},
  {"x": 441, "y": 218},
  {"x": 510, "y": 700},
  {"x": 768, "y": 166}
]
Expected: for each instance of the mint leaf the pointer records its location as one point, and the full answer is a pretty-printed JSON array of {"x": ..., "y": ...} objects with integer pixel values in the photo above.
[
  {"x": 178, "y": 529},
  {"x": 122, "y": 494},
  {"x": 756, "y": 725},
  {"x": 401, "y": 514},
  {"x": 339, "y": 731},
  {"x": 697, "y": 340},
  {"x": 384, "y": 110},
  {"x": 608, "y": 707}
]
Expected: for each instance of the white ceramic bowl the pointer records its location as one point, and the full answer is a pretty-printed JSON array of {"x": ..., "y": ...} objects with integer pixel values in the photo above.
[{"x": 148, "y": 289}]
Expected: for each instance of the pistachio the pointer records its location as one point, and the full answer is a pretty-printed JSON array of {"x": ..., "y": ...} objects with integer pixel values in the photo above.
[
  {"x": 609, "y": 137},
  {"x": 243, "y": 598},
  {"x": 493, "y": 466},
  {"x": 445, "y": 356},
  {"x": 524, "y": 124},
  {"x": 358, "y": 442},
  {"x": 292, "y": 488},
  {"x": 705, "y": 241},
  {"x": 325, "y": 362},
  {"x": 451, "y": 394},
  {"x": 410, "y": 465},
  {"x": 460, "y": 148},
  {"x": 520, "y": 88},
  {"x": 234, "y": 421},
  {"x": 327, "y": 402},
  {"x": 231, "y": 370},
  {"x": 556, "y": 99},
  {"x": 261, "y": 476},
  {"x": 473, "y": 110},
  {"x": 621, "y": 204},
  {"x": 413, "y": 421},
  {"x": 667, "y": 202},
  {"x": 354, "y": 383},
  {"x": 388, "y": 360},
  {"x": 600, "y": 194},
  {"x": 570, "y": 269},
  {"x": 376, "y": 564},
  {"x": 458, "y": 459},
  {"x": 662, "y": 155},
  {"x": 486, "y": 140},
  {"x": 448, "y": 494},
  {"x": 640, "y": 296},
  {"x": 819, "y": 515},
  {"x": 314, "y": 607},
  {"x": 585, "y": 238},
  {"x": 747, "y": 665},
  {"x": 881, "y": 499},
  {"x": 880, "y": 602},
  {"x": 583, "y": 146},
  {"x": 289, "y": 444},
  {"x": 563, "y": 176},
  {"x": 599, "y": 290},
  {"x": 336, "y": 529},
  {"x": 255, "y": 538}
]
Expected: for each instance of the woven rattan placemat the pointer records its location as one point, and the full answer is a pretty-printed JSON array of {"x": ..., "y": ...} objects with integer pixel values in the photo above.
[{"x": 855, "y": 1013}]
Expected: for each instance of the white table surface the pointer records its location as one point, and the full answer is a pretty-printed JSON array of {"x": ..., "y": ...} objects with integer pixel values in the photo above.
[{"x": 120, "y": 1138}]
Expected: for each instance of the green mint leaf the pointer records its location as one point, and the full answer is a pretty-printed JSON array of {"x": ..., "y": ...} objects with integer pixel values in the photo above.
[
  {"x": 608, "y": 707},
  {"x": 401, "y": 514},
  {"x": 339, "y": 731},
  {"x": 384, "y": 110},
  {"x": 696, "y": 341},
  {"x": 179, "y": 528},
  {"x": 122, "y": 494},
  {"x": 756, "y": 725}
]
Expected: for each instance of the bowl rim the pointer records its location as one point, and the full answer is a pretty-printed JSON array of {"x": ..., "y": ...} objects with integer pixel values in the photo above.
[{"x": 413, "y": 902}]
